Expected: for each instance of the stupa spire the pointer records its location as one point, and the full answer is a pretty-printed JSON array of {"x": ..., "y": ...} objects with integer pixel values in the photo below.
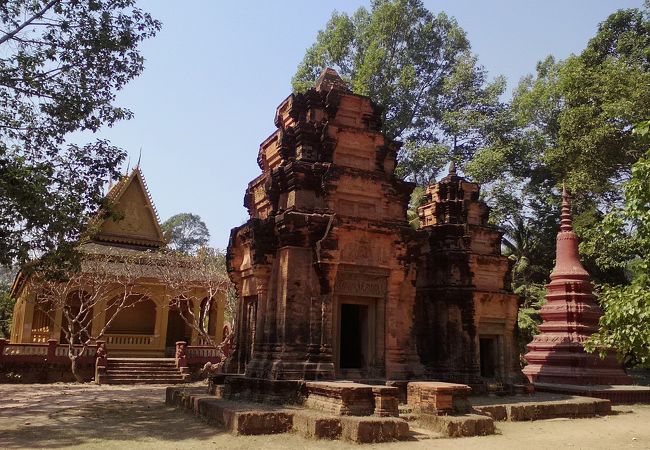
[
  {"x": 566, "y": 223},
  {"x": 452, "y": 168},
  {"x": 567, "y": 262}
]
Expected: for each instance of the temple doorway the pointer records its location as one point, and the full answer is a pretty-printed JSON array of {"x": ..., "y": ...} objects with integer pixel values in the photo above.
[
  {"x": 488, "y": 356},
  {"x": 354, "y": 336},
  {"x": 357, "y": 347}
]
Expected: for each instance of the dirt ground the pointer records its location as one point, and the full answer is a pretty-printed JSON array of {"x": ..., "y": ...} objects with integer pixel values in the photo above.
[{"x": 135, "y": 417}]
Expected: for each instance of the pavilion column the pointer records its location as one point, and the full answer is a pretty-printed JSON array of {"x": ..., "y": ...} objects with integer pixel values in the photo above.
[
  {"x": 158, "y": 295},
  {"x": 162, "y": 318},
  {"x": 55, "y": 332},
  {"x": 99, "y": 318},
  {"x": 26, "y": 330}
]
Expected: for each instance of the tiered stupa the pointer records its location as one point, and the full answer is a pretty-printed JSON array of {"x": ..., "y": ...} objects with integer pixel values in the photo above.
[{"x": 570, "y": 316}]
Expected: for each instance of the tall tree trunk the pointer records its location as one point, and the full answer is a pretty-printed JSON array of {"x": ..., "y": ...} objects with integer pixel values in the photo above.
[
  {"x": 74, "y": 369},
  {"x": 73, "y": 362}
]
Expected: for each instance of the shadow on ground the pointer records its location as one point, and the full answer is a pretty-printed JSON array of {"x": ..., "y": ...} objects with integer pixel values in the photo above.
[{"x": 76, "y": 417}]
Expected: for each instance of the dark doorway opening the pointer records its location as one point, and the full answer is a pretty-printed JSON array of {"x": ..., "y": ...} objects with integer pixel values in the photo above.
[
  {"x": 177, "y": 330},
  {"x": 354, "y": 336},
  {"x": 488, "y": 357}
]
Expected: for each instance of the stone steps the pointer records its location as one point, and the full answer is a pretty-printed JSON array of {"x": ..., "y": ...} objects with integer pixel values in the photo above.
[
  {"x": 245, "y": 418},
  {"x": 130, "y": 380},
  {"x": 141, "y": 371},
  {"x": 127, "y": 372}
]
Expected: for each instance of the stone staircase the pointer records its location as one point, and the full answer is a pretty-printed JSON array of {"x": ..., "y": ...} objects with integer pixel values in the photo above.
[{"x": 141, "y": 371}]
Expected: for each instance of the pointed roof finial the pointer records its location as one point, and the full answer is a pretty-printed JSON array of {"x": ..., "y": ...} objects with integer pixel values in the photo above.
[
  {"x": 565, "y": 216},
  {"x": 330, "y": 79},
  {"x": 137, "y": 166},
  {"x": 452, "y": 168},
  {"x": 128, "y": 166}
]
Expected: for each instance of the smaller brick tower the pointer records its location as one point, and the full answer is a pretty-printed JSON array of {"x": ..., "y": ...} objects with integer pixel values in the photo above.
[
  {"x": 465, "y": 313},
  {"x": 570, "y": 316}
]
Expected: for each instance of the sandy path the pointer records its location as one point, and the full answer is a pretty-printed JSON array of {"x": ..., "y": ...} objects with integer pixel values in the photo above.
[{"x": 134, "y": 417}]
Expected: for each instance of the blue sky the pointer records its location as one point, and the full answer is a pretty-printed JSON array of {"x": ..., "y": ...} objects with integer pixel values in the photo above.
[{"x": 217, "y": 70}]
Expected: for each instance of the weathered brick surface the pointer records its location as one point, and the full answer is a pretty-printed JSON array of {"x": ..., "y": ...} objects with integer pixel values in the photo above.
[
  {"x": 386, "y": 401},
  {"x": 328, "y": 228},
  {"x": 253, "y": 419},
  {"x": 365, "y": 430},
  {"x": 462, "y": 287},
  {"x": 458, "y": 426},
  {"x": 316, "y": 426},
  {"x": 438, "y": 398},
  {"x": 570, "y": 315},
  {"x": 340, "y": 398},
  {"x": 573, "y": 407},
  {"x": 497, "y": 412}
]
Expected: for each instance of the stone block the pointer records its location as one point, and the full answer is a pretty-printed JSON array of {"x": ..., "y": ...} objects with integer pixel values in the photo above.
[
  {"x": 261, "y": 390},
  {"x": 366, "y": 430},
  {"x": 316, "y": 426},
  {"x": 433, "y": 397},
  {"x": 541, "y": 407},
  {"x": 340, "y": 398},
  {"x": 603, "y": 407},
  {"x": 458, "y": 426},
  {"x": 261, "y": 422},
  {"x": 497, "y": 412},
  {"x": 401, "y": 385},
  {"x": 386, "y": 401}
]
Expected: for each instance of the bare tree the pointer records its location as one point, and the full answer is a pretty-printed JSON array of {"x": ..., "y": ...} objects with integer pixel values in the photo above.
[
  {"x": 195, "y": 280},
  {"x": 105, "y": 285}
]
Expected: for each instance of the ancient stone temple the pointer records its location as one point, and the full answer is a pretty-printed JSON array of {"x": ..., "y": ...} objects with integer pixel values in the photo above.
[
  {"x": 325, "y": 267},
  {"x": 332, "y": 280},
  {"x": 465, "y": 317},
  {"x": 570, "y": 316}
]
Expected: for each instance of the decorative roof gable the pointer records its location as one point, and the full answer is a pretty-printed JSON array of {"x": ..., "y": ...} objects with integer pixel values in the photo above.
[{"x": 139, "y": 224}]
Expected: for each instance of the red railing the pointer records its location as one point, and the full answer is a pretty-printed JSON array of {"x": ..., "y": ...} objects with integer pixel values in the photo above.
[
  {"x": 97, "y": 354},
  {"x": 52, "y": 353}
]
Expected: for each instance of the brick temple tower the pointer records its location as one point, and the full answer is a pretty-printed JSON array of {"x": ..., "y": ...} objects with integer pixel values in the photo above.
[
  {"x": 570, "y": 316},
  {"x": 465, "y": 313},
  {"x": 324, "y": 267},
  {"x": 332, "y": 280}
]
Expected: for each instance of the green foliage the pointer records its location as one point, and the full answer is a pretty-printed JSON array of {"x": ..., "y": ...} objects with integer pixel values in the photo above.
[
  {"x": 418, "y": 198},
  {"x": 572, "y": 121},
  {"x": 188, "y": 233},
  {"x": 419, "y": 68},
  {"x": 61, "y": 64},
  {"x": 625, "y": 326},
  {"x": 6, "y": 302},
  {"x": 528, "y": 318}
]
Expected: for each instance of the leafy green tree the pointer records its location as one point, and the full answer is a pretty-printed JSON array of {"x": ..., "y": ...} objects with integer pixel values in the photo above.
[
  {"x": 573, "y": 122},
  {"x": 187, "y": 232},
  {"x": 625, "y": 326},
  {"x": 6, "y": 301},
  {"x": 61, "y": 64},
  {"x": 418, "y": 66}
]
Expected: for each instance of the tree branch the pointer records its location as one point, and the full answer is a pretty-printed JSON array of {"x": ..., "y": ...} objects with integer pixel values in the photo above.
[{"x": 26, "y": 23}]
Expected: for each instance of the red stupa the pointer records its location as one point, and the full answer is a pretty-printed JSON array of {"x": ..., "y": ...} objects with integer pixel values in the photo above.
[{"x": 570, "y": 316}]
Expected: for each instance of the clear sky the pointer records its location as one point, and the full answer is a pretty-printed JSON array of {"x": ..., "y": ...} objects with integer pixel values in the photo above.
[{"x": 218, "y": 69}]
